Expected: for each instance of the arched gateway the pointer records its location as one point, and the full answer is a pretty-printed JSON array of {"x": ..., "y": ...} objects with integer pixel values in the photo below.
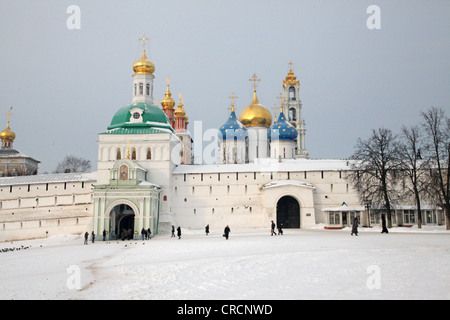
[
  {"x": 121, "y": 222},
  {"x": 288, "y": 212}
]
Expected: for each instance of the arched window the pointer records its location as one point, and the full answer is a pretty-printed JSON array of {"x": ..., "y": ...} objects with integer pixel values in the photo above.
[
  {"x": 135, "y": 89},
  {"x": 292, "y": 114},
  {"x": 118, "y": 154},
  {"x": 148, "y": 89},
  {"x": 141, "y": 88},
  {"x": 291, "y": 93},
  {"x": 133, "y": 154},
  {"x": 149, "y": 154}
]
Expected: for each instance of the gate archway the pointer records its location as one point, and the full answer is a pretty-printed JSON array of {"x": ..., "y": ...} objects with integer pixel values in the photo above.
[
  {"x": 288, "y": 212},
  {"x": 122, "y": 222}
]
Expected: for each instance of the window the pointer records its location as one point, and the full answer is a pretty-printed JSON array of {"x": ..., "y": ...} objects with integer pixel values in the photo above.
[
  {"x": 409, "y": 216},
  {"x": 133, "y": 154},
  {"x": 141, "y": 88},
  {"x": 135, "y": 89},
  {"x": 136, "y": 115},
  {"x": 292, "y": 114},
  {"x": 334, "y": 218},
  {"x": 291, "y": 93},
  {"x": 148, "y": 89},
  {"x": 149, "y": 154},
  {"x": 118, "y": 154}
]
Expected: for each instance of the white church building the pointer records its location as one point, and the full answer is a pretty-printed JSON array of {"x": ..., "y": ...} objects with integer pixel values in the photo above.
[{"x": 146, "y": 177}]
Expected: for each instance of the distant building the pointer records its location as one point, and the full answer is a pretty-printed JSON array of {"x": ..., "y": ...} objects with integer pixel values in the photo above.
[{"x": 12, "y": 161}]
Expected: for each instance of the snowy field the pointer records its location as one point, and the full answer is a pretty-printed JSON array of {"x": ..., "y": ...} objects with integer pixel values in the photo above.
[{"x": 301, "y": 264}]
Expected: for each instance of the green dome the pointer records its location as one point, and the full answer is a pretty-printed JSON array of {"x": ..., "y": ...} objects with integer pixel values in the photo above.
[{"x": 149, "y": 116}]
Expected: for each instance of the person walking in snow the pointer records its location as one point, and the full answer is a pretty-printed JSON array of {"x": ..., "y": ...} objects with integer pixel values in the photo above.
[
  {"x": 355, "y": 227},
  {"x": 272, "y": 229},
  {"x": 179, "y": 232},
  {"x": 207, "y": 229},
  {"x": 383, "y": 224},
  {"x": 173, "y": 231},
  {"x": 280, "y": 228},
  {"x": 226, "y": 232},
  {"x": 93, "y": 236},
  {"x": 149, "y": 233},
  {"x": 143, "y": 234},
  {"x": 86, "y": 235}
]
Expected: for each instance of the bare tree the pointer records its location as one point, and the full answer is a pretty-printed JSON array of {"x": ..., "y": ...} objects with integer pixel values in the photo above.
[
  {"x": 374, "y": 171},
  {"x": 437, "y": 127},
  {"x": 413, "y": 166},
  {"x": 73, "y": 164}
]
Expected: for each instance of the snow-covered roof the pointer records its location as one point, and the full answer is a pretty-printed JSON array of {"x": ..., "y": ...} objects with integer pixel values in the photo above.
[
  {"x": 269, "y": 165},
  {"x": 49, "y": 178}
]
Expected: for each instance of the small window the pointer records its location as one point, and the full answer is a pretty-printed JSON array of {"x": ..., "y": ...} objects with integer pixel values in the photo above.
[
  {"x": 133, "y": 154},
  {"x": 148, "y": 89},
  {"x": 141, "y": 88},
  {"x": 136, "y": 115},
  {"x": 149, "y": 154},
  {"x": 118, "y": 154}
]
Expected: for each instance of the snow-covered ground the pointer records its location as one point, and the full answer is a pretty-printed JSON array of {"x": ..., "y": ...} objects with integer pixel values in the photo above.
[{"x": 301, "y": 264}]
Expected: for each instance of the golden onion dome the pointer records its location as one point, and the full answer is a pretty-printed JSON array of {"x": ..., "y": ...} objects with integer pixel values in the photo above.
[
  {"x": 167, "y": 102},
  {"x": 180, "y": 112},
  {"x": 255, "y": 114},
  {"x": 7, "y": 134},
  {"x": 291, "y": 79},
  {"x": 143, "y": 65}
]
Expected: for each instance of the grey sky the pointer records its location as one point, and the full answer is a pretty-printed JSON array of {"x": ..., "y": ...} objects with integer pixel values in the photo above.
[{"x": 65, "y": 85}]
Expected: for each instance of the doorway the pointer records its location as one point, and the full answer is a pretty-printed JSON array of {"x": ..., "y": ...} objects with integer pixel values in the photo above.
[
  {"x": 288, "y": 212},
  {"x": 121, "y": 222}
]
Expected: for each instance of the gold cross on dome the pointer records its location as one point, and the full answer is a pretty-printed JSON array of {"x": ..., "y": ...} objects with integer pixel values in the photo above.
[
  {"x": 168, "y": 80},
  {"x": 143, "y": 39},
  {"x": 255, "y": 79},
  {"x": 290, "y": 65},
  {"x": 233, "y": 100},
  {"x": 9, "y": 114}
]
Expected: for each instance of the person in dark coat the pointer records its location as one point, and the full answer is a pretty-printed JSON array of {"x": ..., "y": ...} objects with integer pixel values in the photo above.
[
  {"x": 104, "y": 234},
  {"x": 149, "y": 233},
  {"x": 86, "y": 235},
  {"x": 93, "y": 236},
  {"x": 272, "y": 229},
  {"x": 383, "y": 224},
  {"x": 280, "y": 228},
  {"x": 355, "y": 227},
  {"x": 207, "y": 229},
  {"x": 179, "y": 232},
  {"x": 143, "y": 234},
  {"x": 226, "y": 232},
  {"x": 173, "y": 231}
]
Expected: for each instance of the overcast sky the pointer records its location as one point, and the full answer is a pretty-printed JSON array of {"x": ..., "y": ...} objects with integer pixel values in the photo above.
[{"x": 66, "y": 84}]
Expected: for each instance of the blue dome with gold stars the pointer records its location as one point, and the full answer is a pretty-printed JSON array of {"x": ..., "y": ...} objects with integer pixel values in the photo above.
[
  {"x": 282, "y": 130},
  {"x": 233, "y": 129}
]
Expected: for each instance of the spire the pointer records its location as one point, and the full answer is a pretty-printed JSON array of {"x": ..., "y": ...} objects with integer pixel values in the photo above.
[{"x": 7, "y": 136}]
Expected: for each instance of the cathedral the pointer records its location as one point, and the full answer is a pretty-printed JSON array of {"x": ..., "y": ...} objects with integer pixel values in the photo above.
[{"x": 146, "y": 177}]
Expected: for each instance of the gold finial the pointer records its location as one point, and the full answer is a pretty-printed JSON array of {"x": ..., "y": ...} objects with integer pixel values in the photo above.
[
  {"x": 168, "y": 81},
  {"x": 143, "y": 39},
  {"x": 275, "y": 108},
  {"x": 290, "y": 65},
  {"x": 128, "y": 149},
  {"x": 9, "y": 114},
  {"x": 281, "y": 98},
  {"x": 255, "y": 79},
  {"x": 180, "y": 95},
  {"x": 233, "y": 100}
]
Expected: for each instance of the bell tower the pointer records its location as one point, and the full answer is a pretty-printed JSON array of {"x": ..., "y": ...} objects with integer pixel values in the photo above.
[{"x": 292, "y": 107}]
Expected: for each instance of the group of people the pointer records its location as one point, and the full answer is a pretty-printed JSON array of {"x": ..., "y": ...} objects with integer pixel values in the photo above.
[
  {"x": 279, "y": 227},
  {"x": 384, "y": 229}
]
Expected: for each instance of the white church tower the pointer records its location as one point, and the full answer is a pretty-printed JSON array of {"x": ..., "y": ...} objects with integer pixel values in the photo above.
[
  {"x": 292, "y": 107},
  {"x": 143, "y": 78}
]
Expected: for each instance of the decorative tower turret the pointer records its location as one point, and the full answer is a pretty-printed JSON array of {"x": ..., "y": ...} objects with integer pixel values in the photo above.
[
  {"x": 143, "y": 77},
  {"x": 168, "y": 104},
  {"x": 292, "y": 107}
]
